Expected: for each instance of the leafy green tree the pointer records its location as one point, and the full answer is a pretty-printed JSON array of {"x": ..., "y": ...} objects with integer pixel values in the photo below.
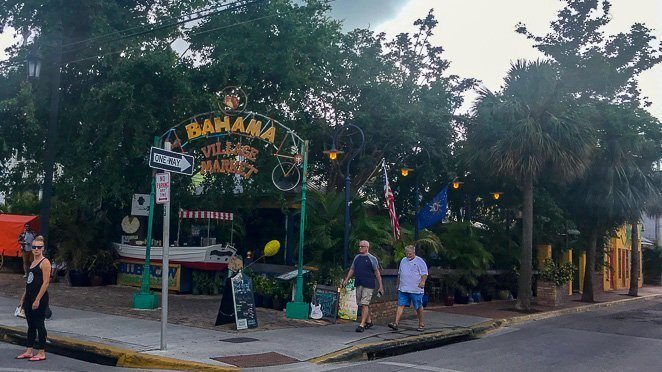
[
  {"x": 529, "y": 127},
  {"x": 593, "y": 64},
  {"x": 619, "y": 182}
]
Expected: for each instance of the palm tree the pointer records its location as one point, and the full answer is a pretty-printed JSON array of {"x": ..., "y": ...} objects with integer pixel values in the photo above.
[
  {"x": 530, "y": 126},
  {"x": 619, "y": 185}
]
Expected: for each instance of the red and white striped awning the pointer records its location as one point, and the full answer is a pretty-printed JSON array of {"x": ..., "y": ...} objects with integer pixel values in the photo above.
[{"x": 206, "y": 214}]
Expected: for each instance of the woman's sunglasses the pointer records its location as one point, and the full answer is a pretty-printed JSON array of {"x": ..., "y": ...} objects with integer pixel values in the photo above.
[{"x": 37, "y": 246}]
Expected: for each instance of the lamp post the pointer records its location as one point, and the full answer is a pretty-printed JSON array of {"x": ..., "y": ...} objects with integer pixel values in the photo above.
[
  {"x": 34, "y": 60},
  {"x": 351, "y": 153}
]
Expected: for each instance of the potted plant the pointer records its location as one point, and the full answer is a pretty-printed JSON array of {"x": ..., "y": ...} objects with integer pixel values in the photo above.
[
  {"x": 268, "y": 292},
  {"x": 552, "y": 284},
  {"x": 280, "y": 295},
  {"x": 102, "y": 268},
  {"x": 258, "y": 289}
]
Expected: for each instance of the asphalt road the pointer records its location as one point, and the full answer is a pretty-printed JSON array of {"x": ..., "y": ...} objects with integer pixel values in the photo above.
[
  {"x": 52, "y": 363},
  {"x": 622, "y": 338}
]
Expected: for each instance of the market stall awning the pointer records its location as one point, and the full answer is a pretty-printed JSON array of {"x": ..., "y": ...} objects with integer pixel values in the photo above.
[
  {"x": 206, "y": 215},
  {"x": 11, "y": 226}
]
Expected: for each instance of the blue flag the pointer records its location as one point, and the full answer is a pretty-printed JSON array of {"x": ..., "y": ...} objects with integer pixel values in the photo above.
[{"x": 434, "y": 211}]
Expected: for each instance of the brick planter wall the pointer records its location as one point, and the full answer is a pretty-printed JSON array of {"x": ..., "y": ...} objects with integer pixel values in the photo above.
[
  {"x": 384, "y": 312},
  {"x": 551, "y": 295}
]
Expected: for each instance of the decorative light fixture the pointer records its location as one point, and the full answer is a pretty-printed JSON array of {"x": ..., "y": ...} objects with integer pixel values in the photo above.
[
  {"x": 33, "y": 60},
  {"x": 496, "y": 195},
  {"x": 333, "y": 153},
  {"x": 405, "y": 171},
  {"x": 456, "y": 183}
]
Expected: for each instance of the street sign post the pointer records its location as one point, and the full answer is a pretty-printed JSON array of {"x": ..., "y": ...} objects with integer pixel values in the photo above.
[{"x": 171, "y": 161}]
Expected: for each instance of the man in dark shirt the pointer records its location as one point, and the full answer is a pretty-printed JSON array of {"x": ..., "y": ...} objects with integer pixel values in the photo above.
[{"x": 365, "y": 269}]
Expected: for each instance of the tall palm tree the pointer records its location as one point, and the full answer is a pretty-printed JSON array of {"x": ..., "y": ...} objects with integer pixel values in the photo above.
[
  {"x": 619, "y": 184},
  {"x": 529, "y": 127}
]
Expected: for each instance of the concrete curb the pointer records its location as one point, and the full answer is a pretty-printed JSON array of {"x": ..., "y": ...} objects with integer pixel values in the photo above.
[
  {"x": 452, "y": 335},
  {"x": 108, "y": 355}
]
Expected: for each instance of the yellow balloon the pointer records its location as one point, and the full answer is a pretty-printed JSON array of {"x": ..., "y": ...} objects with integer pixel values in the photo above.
[{"x": 271, "y": 248}]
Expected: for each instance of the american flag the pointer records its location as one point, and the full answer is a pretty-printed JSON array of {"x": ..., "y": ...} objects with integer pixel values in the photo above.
[{"x": 390, "y": 205}]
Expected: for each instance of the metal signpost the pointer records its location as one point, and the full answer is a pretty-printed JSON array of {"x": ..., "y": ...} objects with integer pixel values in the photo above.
[{"x": 163, "y": 197}]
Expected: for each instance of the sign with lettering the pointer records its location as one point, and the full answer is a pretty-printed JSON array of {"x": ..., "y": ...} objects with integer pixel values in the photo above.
[
  {"x": 328, "y": 298},
  {"x": 162, "y": 188},
  {"x": 131, "y": 273},
  {"x": 238, "y": 303},
  {"x": 171, "y": 161}
]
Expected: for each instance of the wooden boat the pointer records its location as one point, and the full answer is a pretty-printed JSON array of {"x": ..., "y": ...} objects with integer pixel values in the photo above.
[{"x": 213, "y": 257}]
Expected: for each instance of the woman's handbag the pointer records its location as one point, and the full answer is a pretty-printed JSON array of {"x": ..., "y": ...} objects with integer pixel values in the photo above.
[{"x": 19, "y": 312}]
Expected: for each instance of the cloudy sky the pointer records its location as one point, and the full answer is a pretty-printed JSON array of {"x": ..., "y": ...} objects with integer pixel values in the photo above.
[{"x": 479, "y": 36}]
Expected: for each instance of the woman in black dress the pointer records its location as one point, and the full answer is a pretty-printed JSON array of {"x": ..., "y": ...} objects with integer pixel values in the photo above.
[{"x": 35, "y": 302}]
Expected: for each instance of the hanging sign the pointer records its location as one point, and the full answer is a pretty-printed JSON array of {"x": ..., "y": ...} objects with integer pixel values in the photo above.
[{"x": 162, "y": 188}]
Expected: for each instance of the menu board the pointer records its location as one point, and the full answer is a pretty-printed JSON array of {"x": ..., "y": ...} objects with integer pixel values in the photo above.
[
  {"x": 244, "y": 302},
  {"x": 238, "y": 304},
  {"x": 328, "y": 298}
]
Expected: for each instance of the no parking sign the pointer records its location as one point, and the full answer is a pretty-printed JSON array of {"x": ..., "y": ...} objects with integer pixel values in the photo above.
[{"x": 162, "y": 188}]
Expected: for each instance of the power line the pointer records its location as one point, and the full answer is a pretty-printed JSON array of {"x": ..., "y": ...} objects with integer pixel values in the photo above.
[{"x": 225, "y": 7}]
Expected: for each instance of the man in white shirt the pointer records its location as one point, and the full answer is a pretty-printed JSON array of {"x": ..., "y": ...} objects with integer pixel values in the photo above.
[{"x": 412, "y": 274}]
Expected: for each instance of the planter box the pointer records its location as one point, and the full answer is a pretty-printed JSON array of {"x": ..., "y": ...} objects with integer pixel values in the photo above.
[{"x": 551, "y": 295}]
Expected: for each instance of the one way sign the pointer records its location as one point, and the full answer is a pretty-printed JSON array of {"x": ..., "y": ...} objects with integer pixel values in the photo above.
[{"x": 171, "y": 161}]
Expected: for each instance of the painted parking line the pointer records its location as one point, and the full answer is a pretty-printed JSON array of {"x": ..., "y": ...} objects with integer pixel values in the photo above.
[{"x": 418, "y": 366}]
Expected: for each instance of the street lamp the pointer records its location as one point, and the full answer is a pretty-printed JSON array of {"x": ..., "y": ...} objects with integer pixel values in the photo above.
[
  {"x": 33, "y": 61},
  {"x": 405, "y": 171},
  {"x": 333, "y": 155},
  {"x": 333, "y": 152}
]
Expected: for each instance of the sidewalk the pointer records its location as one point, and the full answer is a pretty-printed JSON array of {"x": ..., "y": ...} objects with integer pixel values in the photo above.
[{"x": 138, "y": 336}]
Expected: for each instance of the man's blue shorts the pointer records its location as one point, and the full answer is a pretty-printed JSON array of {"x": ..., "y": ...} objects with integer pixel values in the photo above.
[{"x": 405, "y": 298}]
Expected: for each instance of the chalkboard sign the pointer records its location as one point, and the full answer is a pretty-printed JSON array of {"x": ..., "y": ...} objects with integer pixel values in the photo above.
[
  {"x": 327, "y": 297},
  {"x": 238, "y": 303}
]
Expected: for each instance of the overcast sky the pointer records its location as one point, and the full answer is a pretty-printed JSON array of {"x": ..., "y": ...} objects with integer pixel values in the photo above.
[{"x": 479, "y": 36}]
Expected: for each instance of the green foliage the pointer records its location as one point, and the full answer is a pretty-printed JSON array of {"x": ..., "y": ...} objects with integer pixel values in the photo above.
[
  {"x": 557, "y": 274},
  {"x": 594, "y": 64},
  {"x": 22, "y": 203},
  {"x": 102, "y": 262},
  {"x": 207, "y": 283},
  {"x": 464, "y": 252}
]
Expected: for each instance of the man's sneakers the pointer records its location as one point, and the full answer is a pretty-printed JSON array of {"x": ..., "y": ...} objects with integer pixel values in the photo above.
[{"x": 393, "y": 326}]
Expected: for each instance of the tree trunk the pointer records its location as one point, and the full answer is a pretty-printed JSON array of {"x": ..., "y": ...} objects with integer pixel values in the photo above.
[
  {"x": 588, "y": 295},
  {"x": 526, "y": 270},
  {"x": 635, "y": 260}
]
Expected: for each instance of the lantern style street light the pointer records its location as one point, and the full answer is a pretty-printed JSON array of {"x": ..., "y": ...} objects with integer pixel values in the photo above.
[
  {"x": 405, "y": 171},
  {"x": 33, "y": 61},
  {"x": 352, "y": 153},
  {"x": 333, "y": 152}
]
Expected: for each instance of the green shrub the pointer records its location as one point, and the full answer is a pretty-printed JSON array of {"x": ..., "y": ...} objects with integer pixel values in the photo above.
[{"x": 557, "y": 274}]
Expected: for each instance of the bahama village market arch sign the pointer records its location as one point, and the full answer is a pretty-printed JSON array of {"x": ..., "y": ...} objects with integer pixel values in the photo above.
[{"x": 241, "y": 143}]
